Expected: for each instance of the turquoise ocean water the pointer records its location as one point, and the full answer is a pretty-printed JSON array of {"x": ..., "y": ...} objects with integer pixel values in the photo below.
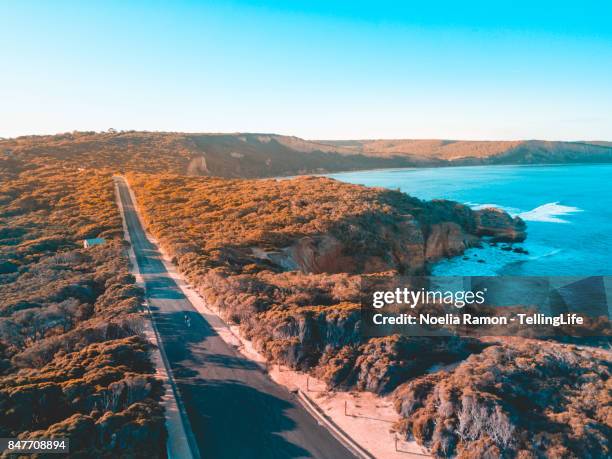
[{"x": 567, "y": 208}]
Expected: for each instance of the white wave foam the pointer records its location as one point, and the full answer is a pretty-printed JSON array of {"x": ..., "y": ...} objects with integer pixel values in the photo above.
[
  {"x": 546, "y": 254},
  {"x": 476, "y": 206},
  {"x": 496, "y": 260},
  {"x": 549, "y": 213}
]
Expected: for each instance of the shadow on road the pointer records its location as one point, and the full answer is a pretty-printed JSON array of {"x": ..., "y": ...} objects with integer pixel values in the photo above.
[
  {"x": 228, "y": 413},
  {"x": 231, "y": 362},
  {"x": 234, "y": 410}
]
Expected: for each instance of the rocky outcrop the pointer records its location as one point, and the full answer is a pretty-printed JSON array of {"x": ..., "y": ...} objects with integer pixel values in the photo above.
[
  {"x": 399, "y": 246},
  {"x": 500, "y": 225},
  {"x": 313, "y": 225},
  {"x": 299, "y": 337},
  {"x": 448, "y": 239},
  {"x": 318, "y": 255},
  {"x": 522, "y": 399},
  {"x": 406, "y": 245},
  {"x": 382, "y": 364}
]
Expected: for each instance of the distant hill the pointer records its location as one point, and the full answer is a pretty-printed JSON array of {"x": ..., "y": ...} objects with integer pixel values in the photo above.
[
  {"x": 496, "y": 152},
  {"x": 267, "y": 155}
]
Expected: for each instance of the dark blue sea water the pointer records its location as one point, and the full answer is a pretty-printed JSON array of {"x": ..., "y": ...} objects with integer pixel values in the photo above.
[{"x": 568, "y": 210}]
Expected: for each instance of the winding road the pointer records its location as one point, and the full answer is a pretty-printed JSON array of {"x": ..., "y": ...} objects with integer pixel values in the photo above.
[{"x": 234, "y": 410}]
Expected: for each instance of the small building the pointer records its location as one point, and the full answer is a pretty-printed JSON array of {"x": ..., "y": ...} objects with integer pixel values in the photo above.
[{"x": 87, "y": 243}]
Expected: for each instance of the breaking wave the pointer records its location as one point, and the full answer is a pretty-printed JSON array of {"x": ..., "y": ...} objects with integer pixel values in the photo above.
[
  {"x": 546, "y": 254},
  {"x": 549, "y": 212},
  {"x": 476, "y": 206}
]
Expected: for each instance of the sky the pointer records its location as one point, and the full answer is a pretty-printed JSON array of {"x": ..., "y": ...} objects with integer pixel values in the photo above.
[{"x": 315, "y": 69}]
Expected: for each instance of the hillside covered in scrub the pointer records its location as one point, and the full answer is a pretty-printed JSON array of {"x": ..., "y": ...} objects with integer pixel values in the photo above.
[
  {"x": 517, "y": 398},
  {"x": 311, "y": 224},
  {"x": 250, "y": 155},
  {"x": 283, "y": 259},
  {"x": 73, "y": 361}
]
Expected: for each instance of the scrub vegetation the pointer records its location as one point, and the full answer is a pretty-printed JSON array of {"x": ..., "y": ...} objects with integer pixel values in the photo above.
[
  {"x": 282, "y": 258},
  {"x": 73, "y": 360},
  {"x": 523, "y": 398},
  {"x": 249, "y": 155}
]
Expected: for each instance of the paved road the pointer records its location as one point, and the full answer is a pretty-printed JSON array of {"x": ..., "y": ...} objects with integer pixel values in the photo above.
[{"x": 234, "y": 409}]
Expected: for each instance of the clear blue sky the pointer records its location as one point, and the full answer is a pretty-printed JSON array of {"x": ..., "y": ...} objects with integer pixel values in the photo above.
[{"x": 316, "y": 69}]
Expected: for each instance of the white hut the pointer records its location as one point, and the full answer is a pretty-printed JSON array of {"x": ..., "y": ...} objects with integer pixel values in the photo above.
[{"x": 87, "y": 243}]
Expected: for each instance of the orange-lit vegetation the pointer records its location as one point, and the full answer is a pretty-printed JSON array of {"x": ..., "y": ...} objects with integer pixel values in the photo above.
[
  {"x": 226, "y": 155},
  {"x": 310, "y": 224},
  {"x": 523, "y": 399},
  {"x": 282, "y": 259},
  {"x": 108, "y": 150},
  {"x": 269, "y": 155},
  {"x": 73, "y": 362}
]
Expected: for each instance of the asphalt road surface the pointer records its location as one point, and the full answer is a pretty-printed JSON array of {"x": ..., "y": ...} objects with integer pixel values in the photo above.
[{"x": 235, "y": 410}]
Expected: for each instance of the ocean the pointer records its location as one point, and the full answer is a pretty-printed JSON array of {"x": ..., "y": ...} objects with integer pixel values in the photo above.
[{"x": 567, "y": 208}]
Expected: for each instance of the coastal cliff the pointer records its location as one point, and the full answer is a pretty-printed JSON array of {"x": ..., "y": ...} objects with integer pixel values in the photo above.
[
  {"x": 411, "y": 243},
  {"x": 313, "y": 225},
  {"x": 284, "y": 259}
]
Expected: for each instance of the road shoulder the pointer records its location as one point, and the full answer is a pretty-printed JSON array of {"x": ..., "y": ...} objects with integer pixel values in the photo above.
[
  {"x": 177, "y": 446},
  {"x": 345, "y": 428}
]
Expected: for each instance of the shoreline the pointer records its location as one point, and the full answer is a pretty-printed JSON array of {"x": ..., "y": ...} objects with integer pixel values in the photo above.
[
  {"x": 568, "y": 194},
  {"x": 418, "y": 168}
]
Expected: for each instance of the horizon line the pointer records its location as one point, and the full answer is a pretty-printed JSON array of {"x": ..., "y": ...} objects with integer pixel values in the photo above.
[{"x": 335, "y": 139}]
